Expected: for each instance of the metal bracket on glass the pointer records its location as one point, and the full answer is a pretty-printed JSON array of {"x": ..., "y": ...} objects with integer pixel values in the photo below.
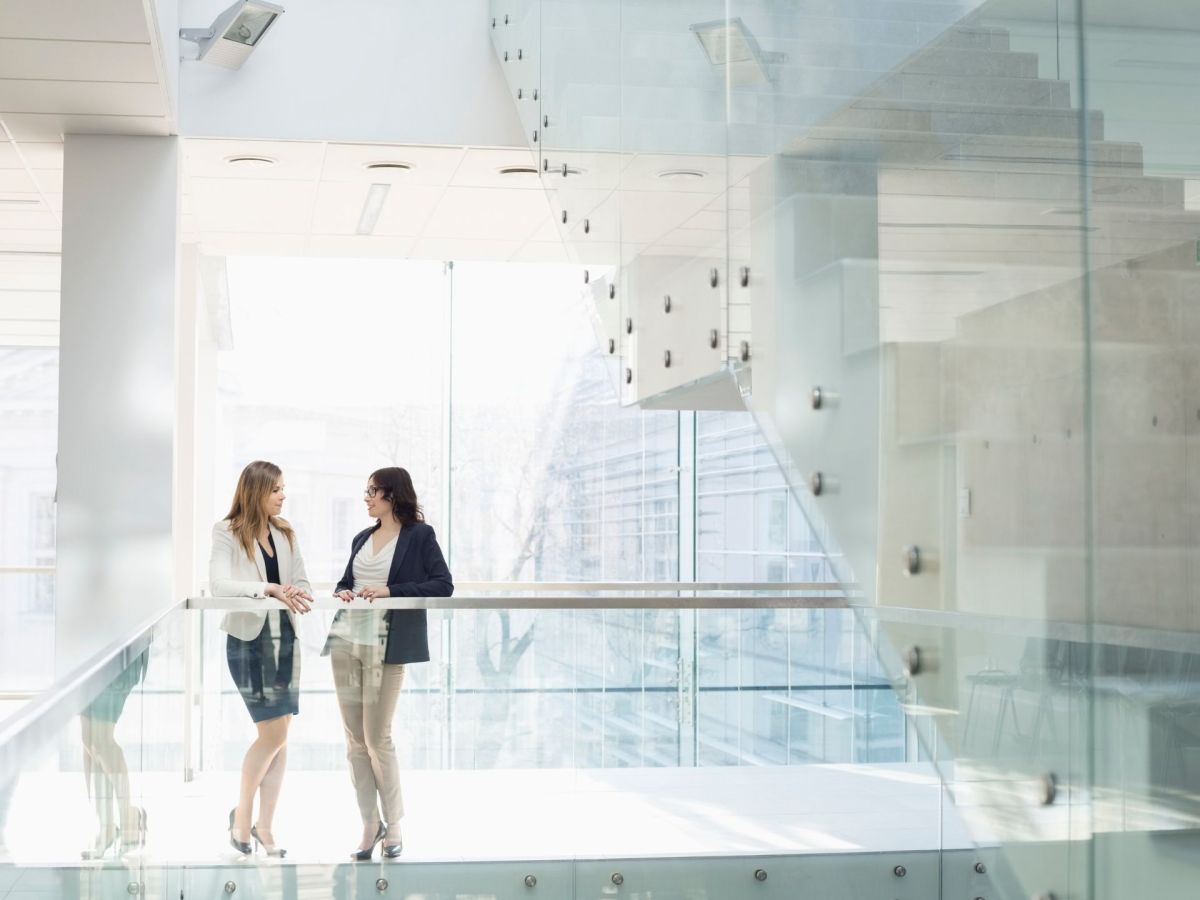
[
  {"x": 506, "y": 56},
  {"x": 1048, "y": 789},
  {"x": 629, "y": 376},
  {"x": 612, "y": 291},
  {"x": 628, "y": 325},
  {"x": 912, "y": 560},
  {"x": 520, "y": 53},
  {"x": 744, "y": 276},
  {"x": 667, "y": 359},
  {"x": 666, "y": 303},
  {"x": 530, "y": 881},
  {"x": 714, "y": 338},
  {"x": 714, "y": 277},
  {"x": 535, "y": 135},
  {"x": 760, "y": 874},
  {"x": 612, "y": 346},
  {"x": 586, "y": 276},
  {"x": 587, "y": 226},
  {"x": 744, "y": 351},
  {"x": 564, "y": 217}
]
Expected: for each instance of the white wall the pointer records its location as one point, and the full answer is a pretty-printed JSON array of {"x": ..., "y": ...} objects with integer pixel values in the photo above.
[
  {"x": 116, "y": 389},
  {"x": 418, "y": 71}
]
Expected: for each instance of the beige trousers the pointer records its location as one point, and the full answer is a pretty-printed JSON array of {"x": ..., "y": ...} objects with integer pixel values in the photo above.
[{"x": 367, "y": 691}]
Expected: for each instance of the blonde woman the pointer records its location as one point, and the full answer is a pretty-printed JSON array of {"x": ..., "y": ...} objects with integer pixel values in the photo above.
[
  {"x": 398, "y": 556},
  {"x": 255, "y": 554}
]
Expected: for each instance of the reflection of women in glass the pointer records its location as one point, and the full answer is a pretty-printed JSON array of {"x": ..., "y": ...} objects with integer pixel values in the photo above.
[
  {"x": 105, "y": 769},
  {"x": 255, "y": 554},
  {"x": 397, "y": 557}
]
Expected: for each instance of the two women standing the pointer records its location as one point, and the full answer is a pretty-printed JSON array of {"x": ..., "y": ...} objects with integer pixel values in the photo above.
[{"x": 397, "y": 557}]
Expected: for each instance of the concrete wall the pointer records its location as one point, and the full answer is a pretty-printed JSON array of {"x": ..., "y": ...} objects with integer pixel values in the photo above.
[{"x": 116, "y": 389}]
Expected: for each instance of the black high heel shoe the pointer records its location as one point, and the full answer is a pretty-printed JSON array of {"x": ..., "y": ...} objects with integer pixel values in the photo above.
[
  {"x": 271, "y": 851},
  {"x": 364, "y": 855},
  {"x": 242, "y": 847},
  {"x": 393, "y": 851}
]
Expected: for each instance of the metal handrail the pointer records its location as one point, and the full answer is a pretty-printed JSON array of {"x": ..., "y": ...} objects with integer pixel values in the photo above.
[
  {"x": 512, "y": 587},
  {"x": 552, "y": 601}
]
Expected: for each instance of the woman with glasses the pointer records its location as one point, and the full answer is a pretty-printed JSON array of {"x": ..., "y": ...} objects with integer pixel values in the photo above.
[
  {"x": 255, "y": 554},
  {"x": 398, "y": 556}
]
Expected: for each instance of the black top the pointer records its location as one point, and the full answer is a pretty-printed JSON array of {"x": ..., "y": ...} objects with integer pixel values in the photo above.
[
  {"x": 271, "y": 561},
  {"x": 418, "y": 570}
]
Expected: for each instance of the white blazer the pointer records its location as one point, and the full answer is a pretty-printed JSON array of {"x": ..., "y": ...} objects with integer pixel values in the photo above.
[{"x": 233, "y": 574}]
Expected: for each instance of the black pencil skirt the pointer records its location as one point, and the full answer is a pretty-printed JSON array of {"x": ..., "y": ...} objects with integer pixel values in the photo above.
[{"x": 266, "y": 670}]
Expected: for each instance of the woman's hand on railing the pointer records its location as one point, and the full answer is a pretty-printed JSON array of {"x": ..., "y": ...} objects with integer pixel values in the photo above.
[
  {"x": 344, "y": 596},
  {"x": 295, "y": 599},
  {"x": 372, "y": 591}
]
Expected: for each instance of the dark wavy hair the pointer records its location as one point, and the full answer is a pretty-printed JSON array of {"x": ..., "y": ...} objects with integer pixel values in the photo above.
[{"x": 396, "y": 485}]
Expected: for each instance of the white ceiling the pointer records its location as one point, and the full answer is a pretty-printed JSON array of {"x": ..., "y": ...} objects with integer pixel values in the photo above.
[{"x": 66, "y": 66}]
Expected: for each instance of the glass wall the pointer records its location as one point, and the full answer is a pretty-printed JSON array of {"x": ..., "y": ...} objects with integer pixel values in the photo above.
[{"x": 951, "y": 245}]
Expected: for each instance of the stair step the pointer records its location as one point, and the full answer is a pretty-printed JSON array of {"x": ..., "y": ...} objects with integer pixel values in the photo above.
[
  {"x": 975, "y": 37},
  {"x": 1059, "y": 187},
  {"x": 1000, "y": 153},
  {"x": 968, "y": 87},
  {"x": 942, "y": 60},
  {"x": 957, "y": 119}
]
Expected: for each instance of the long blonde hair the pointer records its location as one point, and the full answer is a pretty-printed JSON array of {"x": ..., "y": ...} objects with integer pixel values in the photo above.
[{"x": 247, "y": 516}]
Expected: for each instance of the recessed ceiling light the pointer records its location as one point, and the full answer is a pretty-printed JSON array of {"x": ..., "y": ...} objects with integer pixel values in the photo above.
[
  {"x": 681, "y": 174},
  {"x": 388, "y": 166},
  {"x": 251, "y": 161},
  {"x": 518, "y": 170}
]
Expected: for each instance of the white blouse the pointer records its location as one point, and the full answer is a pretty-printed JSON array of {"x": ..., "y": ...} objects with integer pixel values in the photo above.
[{"x": 365, "y": 626}]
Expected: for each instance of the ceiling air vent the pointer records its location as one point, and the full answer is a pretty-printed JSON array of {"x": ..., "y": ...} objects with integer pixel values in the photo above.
[
  {"x": 388, "y": 166},
  {"x": 251, "y": 161}
]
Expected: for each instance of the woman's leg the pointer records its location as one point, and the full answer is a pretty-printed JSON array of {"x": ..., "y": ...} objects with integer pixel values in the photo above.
[
  {"x": 272, "y": 735},
  {"x": 348, "y": 681},
  {"x": 380, "y": 709},
  {"x": 268, "y": 790}
]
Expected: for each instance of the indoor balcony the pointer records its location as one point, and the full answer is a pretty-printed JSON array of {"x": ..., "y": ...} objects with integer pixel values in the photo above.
[{"x": 567, "y": 740}]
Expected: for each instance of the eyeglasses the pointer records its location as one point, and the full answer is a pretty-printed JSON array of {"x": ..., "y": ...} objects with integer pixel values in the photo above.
[{"x": 371, "y": 491}]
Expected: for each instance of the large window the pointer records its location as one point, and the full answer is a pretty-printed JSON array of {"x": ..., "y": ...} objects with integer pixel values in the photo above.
[
  {"x": 486, "y": 381},
  {"x": 28, "y": 443}
]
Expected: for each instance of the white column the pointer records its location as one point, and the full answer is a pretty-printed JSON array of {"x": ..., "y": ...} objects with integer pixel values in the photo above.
[{"x": 116, "y": 389}]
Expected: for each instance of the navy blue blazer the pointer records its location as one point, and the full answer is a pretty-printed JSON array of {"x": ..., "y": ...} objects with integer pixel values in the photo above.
[{"x": 418, "y": 570}]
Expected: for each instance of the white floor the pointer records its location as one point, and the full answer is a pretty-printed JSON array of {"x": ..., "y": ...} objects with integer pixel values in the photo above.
[{"x": 521, "y": 815}]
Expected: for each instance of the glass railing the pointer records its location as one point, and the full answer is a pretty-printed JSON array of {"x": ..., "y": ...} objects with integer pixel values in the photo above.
[{"x": 577, "y": 739}]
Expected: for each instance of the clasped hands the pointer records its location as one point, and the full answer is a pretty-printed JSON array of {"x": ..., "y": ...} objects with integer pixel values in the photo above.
[
  {"x": 370, "y": 593},
  {"x": 295, "y": 599}
]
